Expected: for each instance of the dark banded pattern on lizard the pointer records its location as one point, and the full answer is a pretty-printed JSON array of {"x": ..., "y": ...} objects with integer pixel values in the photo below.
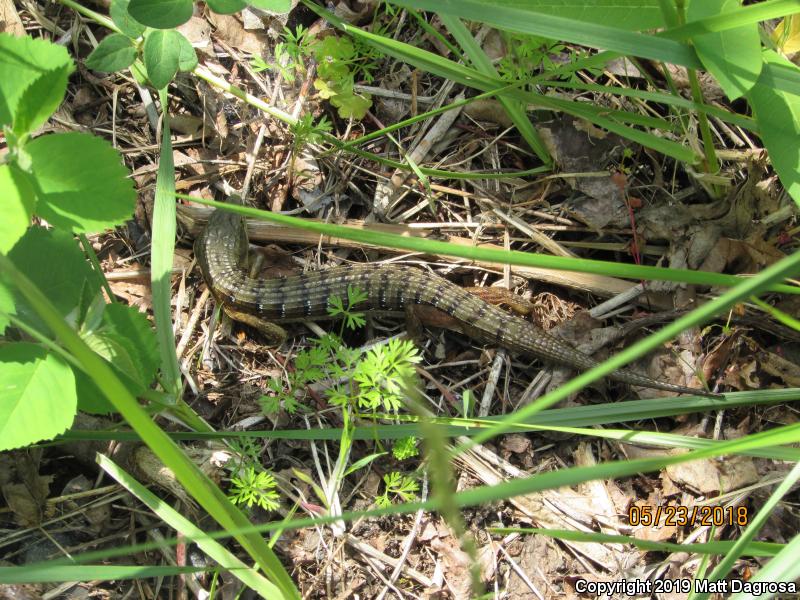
[{"x": 221, "y": 252}]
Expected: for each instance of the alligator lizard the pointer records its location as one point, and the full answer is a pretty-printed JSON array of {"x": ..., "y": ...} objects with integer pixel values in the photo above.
[{"x": 221, "y": 252}]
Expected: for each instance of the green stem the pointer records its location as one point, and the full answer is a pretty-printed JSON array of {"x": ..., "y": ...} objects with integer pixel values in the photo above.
[
  {"x": 90, "y": 14},
  {"x": 98, "y": 270}
]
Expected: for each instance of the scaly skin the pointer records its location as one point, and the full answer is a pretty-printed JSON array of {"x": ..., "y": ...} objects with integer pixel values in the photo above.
[{"x": 221, "y": 252}]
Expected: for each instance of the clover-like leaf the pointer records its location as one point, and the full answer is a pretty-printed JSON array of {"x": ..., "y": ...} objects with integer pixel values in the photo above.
[
  {"x": 161, "y": 14},
  {"x": 114, "y": 53},
  {"x": 162, "y": 52},
  {"x": 124, "y": 20}
]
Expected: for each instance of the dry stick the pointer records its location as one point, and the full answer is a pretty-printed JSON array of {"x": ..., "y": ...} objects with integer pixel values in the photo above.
[
  {"x": 193, "y": 319},
  {"x": 408, "y": 542},
  {"x": 371, "y": 552},
  {"x": 538, "y": 237}
]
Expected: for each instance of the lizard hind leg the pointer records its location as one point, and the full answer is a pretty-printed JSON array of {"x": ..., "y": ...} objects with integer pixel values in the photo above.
[{"x": 274, "y": 333}]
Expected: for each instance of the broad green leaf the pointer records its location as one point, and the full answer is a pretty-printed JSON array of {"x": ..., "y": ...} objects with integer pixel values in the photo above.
[
  {"x": 778, "y": 117},
  {"x": 226, "y": 7},
  {"x": 132, "y": 341},
  {"x": 37, "y": 395},
  {"x": 114, "y": 53},
  {"x": 276, "y": 6},
  {"x": 161, "y": 14},
  {"x": 17, "y": 201},
  {"x": 351, "y": 105},
  {"x": 202, "y": 489},
  {"x": 187, "y": 57},
  {"x": 23, "y": 60},
  {"x": 52, "y": 260},
  {"x": 128, "y": 343},
  {"x": 90, "y": 399},
  {"x": 732, "y": 56},
  {"x": 123, "y": 19},
  {"x": 81, "y": 183},
  {"x": 162, "y": 49},
  {"x": 38, "y": 101}
]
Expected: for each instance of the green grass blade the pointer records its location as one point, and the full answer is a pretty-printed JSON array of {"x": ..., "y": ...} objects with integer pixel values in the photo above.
[
  {"x": 784, "y": 567},
  {"x": 513, "y": 18},
  {"x": 754, "y": 526},
  {"x": 247, "y": 575},
  {"x": 79, "y": 573},
  {"x": 514, "y": 109},
  {"x": 163, "y": 246},
  {"x": 387, "y": 240},
  {"x": 717, "y": 547}
]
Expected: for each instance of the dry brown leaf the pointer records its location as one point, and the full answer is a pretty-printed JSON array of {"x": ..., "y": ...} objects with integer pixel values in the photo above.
[
  {"x": 456, "y": 565},
  {"x": 787, "y": 34},
  {"x": 230, "y": 30},
  {"x": 777, "y": 366},
  {"x": 700, "y": 475},
  {"x": 736, "y": 472},
  {"x": 198, "y": 32},
  {"x": 9, "y": 19}
]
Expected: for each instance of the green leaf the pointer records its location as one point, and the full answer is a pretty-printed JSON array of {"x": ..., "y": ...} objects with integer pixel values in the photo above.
[
  {"x": 778, "y": 117},
  {"x": 37, "y": 395},
  {"x": 733, "y": 56},
  {"x": 114, "y": 53},
  {"x": 23, "y": 61},
  {"x": 352, "y": 105},
  {"x": 226, "y": 7},
  {"x": 39, "y": 101},
  {"x": 53, "y": 261},
  {"x": 81, "y": 184},
  {"x": 275, "y": 6},
  {"x": 17, "y": 200},
  {"x": 124, "y": 20},
  {"x": 162, "y": 49},
  {"x": 133, "y": 342},
  {"x": 187, "y": 57},
  {"x": 161, "y": 14}
]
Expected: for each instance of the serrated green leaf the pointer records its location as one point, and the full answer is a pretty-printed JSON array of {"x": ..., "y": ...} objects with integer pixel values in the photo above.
[
  {"x": 17, "y": 201},
  {"x": 732, "y": 56},
  {"x": 39, "y": 101},
  {"x": 187, "y": 57},
  {"x": 162, "y": 49},
  {"x": 275, "y": 6},
  {"x": 778, "y": 116},
  {"x": 114, "y": 53},
  {"x": 161, "y": 14},
  {"x": 124, "y": 20},
  {"x": 53, "y": 261},
  {"x": 226, "y": 7},
  {"x": 23, "y": 60},
  {"x": 134, "y": 333},
  {"x": 82, "y": 185},
  {"x": 37, "y": 395},
  {"x": 352, "y": 105}
]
